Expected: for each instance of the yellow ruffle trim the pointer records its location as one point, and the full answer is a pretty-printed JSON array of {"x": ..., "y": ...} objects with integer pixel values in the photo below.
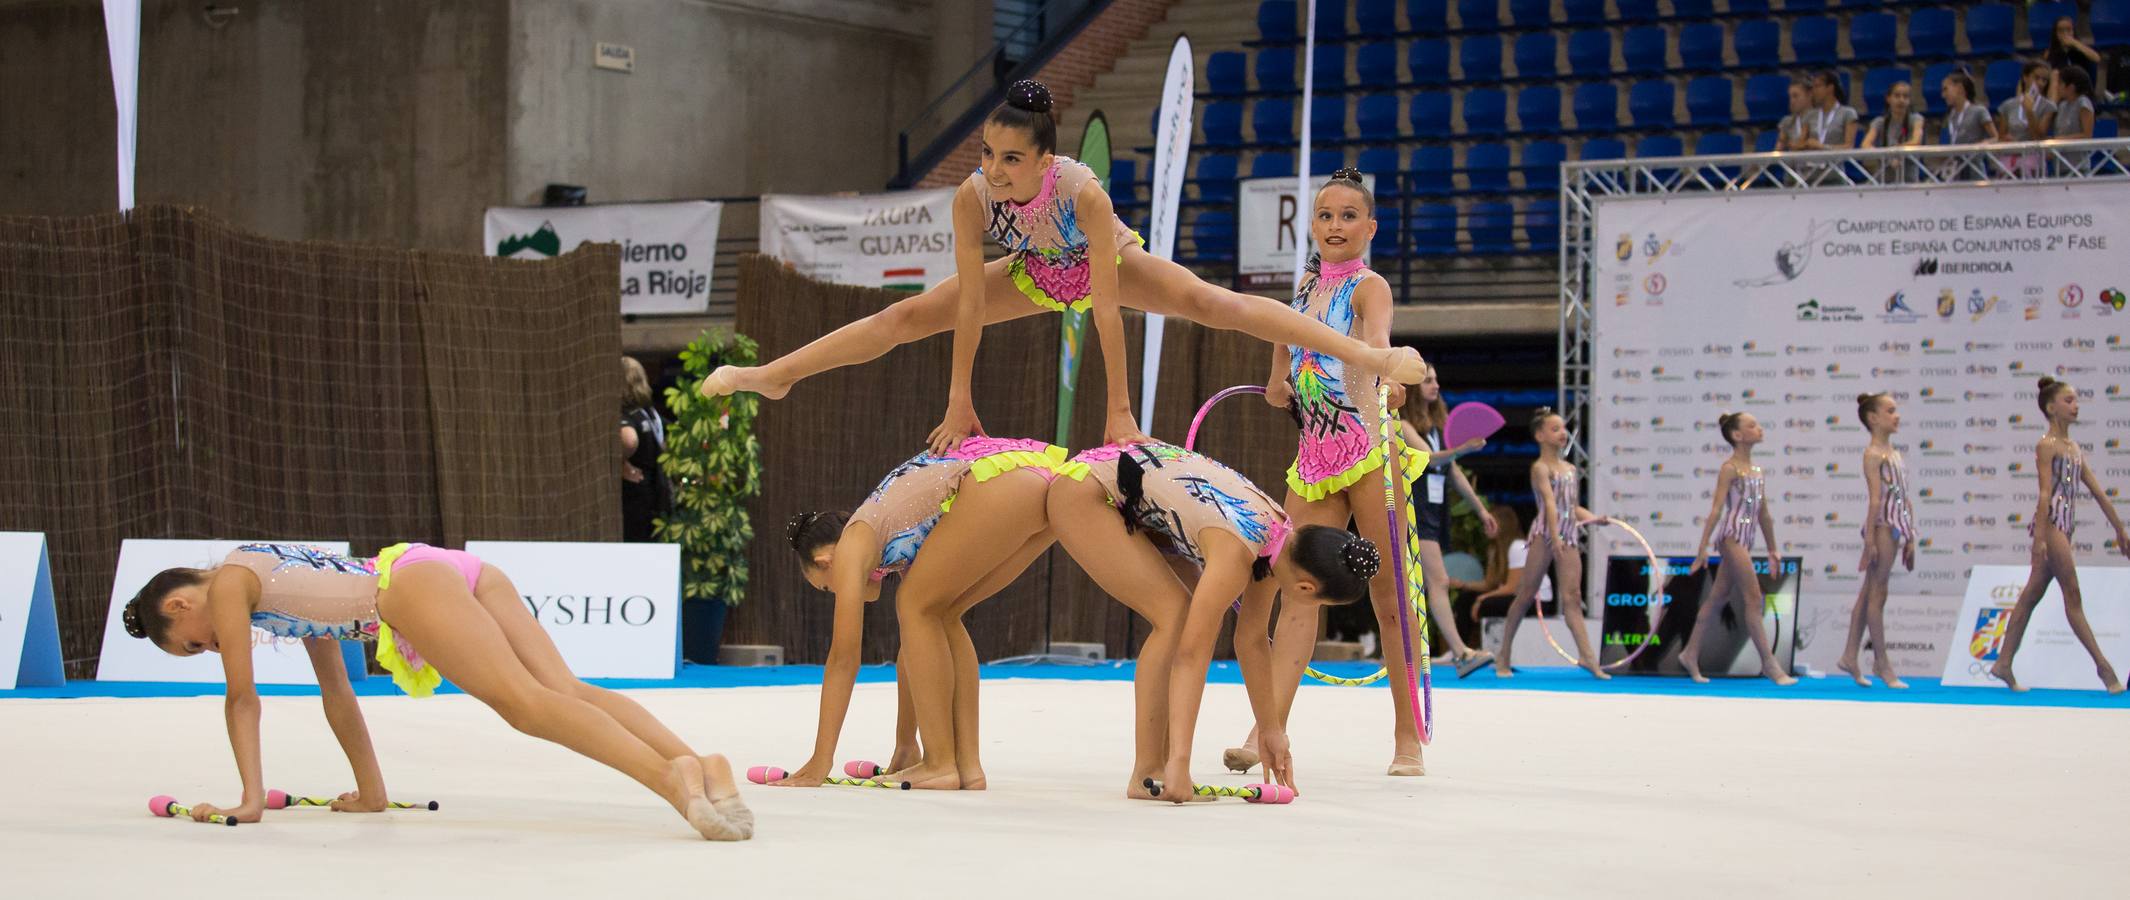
[
  {"x": 1415, "y": 462},
  {"x": 986, "y": 468},
  {"x": 1018, "y": 271},
  {"x": 417, "y": 681}
]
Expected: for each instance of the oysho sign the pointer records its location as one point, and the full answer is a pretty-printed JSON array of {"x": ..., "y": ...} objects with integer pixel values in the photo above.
[
  {"x": 612, "y": 609},
  {"x": 667, "y": 249}
]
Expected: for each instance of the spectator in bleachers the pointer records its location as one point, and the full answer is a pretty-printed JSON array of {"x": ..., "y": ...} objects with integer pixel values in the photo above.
[
  {"x": 1791, "y": 132},
  {"x": 2025, "y": 117},
  {"x": 1901, "y": 126},
  {"x": 2065, "y": 49},
  {"x": 1966, "y": 122},
  {"x": 2073, "y": 119},
  {"x": 1832, "y": 122}
]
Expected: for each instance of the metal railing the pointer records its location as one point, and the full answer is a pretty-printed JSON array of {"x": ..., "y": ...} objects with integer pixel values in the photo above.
[{"x": 1027, "y": 36}]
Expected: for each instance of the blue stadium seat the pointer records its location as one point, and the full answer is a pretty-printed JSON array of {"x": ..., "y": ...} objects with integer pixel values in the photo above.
[
  {"x": 1272, "y": 164},
  {"x": 1486, "y": 168},
  {"x": 1376, "y": 65},
  {"x": 1327, "y": 118},
  {"x": 1215, "y": 178},
  {"x": 1479, "y": 15},
  {"x": 1428, "y": 116},
  {"x": 1427, "y": 16},
  {"x": 1535, "y": 55},
  {"x": 1531, "y": 13},
  {"x": 1659, "y": 147},
  {"x": 2110, "y": 21},
  {"x": 2105, "y": 129},
  {"x": 1124, "y": 180},
  {"x": 1542, "y": 224},
  {"x": 1653, "y": 104},
  {"x": 1213, "y": 235},
  {"x": 1636, "y": 11},
  {"x": 1878, "y": 81},
  {"x": 1812, "y": 41},
  {"x": 1375, "y": 18},
  {"x": 1492, "y": 227},
  {"x": 1223, "y": 124},
  {"x": 1804, "y": 6},
  {"x": 1432, "y": 169},
  {"x": 1597, "y": 106},
  {"x": 1541, "y": 165},
  {"x": 1276, "y": 21},
  {"x": 1708, "y": 101},
  {"x": 1767, "y": 97},
  {"x": 1990, "y": 30},
  {"x": 1433, "y": 228},
  {"x": 1538, "y": 110},
  {"x": 1590, "y": 53},
  {"x": 1930, "y": 33},
  {"x": 1600, "y": 149},
  {"x": 1721, "y": 143},
  {"x": 1427, "y": 61},
  {"x": 1872, "y": 37},
  {"x": 1390, "y": 235},
  {"x": 1480, "y": 58},
  {"x": 2001, "y": 81},
  {"x": 1272, "y": 121},
  {"x": 1933, "y": 76},
  {"x": 1745, "y": 9},
  {"x": 1701, "y": 47},
  {"x": 1644, "y": 49},
  {"x": 1330, "y": 71},
  {"x": 1330, "y": 20},
  {"x": 1758, "y": 44},
  {"x": 1376, "y": 118},
  {"x": 1381, "y": 162},
  {"x": 1225, "y": 73},
  {"x": 1486, "y": 111},
  {"x": 2041, "y": 20},
  {"x": 1765, "y": 142},
  {"x": 1275, "y": 69},
  {"x": 1325, "y": 162},
  {"x": 1694, "y": 9},
  {"x": 1583, "y": 12}
]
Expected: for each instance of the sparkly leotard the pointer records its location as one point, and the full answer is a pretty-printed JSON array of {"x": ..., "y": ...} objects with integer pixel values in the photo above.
[
  {"x": 1049, "y": 263},
  {"x": 1899, "y": 517},
  {"x": 2066, "y": 470},
  {"x": 1740, "y": 517},
  {"x": 909, "y": 502},
  {"x": 1338, "y": 419},
  {"x": 1563, "y": 532},
  {"x": 1176, "y": 495},
  {"x": 310, "y": 592}
]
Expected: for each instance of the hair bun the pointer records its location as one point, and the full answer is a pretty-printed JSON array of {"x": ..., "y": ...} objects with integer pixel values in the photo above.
[
  {"x": 1864, "y": 398},
  {"x": 131, "y": 618},
  {"x": 1347, "y": 173},
  {"x": 1361, "y": 558},
  {"x": 798, "y": 526},
  {"x": 2046, "y": 382},
  {"x": 1029, "y": 94}
]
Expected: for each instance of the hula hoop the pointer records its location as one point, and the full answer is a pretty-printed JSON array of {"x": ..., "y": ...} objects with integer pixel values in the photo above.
[
  {"x": 1656, "y": 599},
  {"x": 1409, "y": 587}
]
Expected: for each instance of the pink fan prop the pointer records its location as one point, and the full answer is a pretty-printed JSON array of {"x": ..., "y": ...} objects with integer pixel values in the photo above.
[{"x": 1468, "y": 421}]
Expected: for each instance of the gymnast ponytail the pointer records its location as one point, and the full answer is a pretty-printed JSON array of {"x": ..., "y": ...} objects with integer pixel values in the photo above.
[
  {"x": 1341, "y": 562},
  {"x": 1028, "y": 107},
  {"x": 810, "y": 531}
]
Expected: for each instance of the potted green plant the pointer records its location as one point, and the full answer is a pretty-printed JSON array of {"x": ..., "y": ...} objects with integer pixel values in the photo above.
[{"x": 715, "y": 463}]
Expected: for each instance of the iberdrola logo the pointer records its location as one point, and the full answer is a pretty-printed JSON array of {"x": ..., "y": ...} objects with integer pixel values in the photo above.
[{"x": 543, "y": 242}]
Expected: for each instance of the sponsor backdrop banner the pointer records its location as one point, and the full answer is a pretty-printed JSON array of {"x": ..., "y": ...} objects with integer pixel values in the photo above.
[
  {"x": 902, "y": 241},
  {"x": 613, "y": 609},
  {"x": 2050, "y": 656},
  {"x": 1788, "y": 306},
  {"x": 29, "y": 623},
  {"x": 1270, "y": 222},
  {"x": 667, "y": 249},
  {"x": 275, "y": 660}
]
